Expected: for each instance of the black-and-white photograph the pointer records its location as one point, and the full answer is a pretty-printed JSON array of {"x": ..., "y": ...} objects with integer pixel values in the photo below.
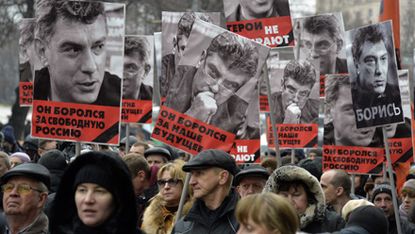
[
  {"x": 238, "y": 10},
  {"x": 296, "y": 100},
  {"x": 28, "y": 59},
  {"x": 339, "y": 122},
  {"x": 373, "y": 73},
  {"x": 321, "y": 38},
  {"x": 80, "y": 45},
  {"x": 216, "y": 78},
  {"x": 176, "y": 28},
  {"x": 138, "y": 68}
]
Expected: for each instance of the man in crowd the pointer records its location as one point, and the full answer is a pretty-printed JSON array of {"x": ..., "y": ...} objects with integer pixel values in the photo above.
[
  {"x": 213, "y": 211},
  {"x": 170, "y": 61},
  {"x": 342, "y": 129},
  {"x": 25, "y": 191},
  {"x": 321, "y": 38},
  {"x": 208, "y": 92},
  {"x": 136, "y": 68},
  {"x": 382, "y": 198},
  {"x": 248, "y": 10},
  {"x": 139, "y": 147},
  {"x": 140, "y": 174},
  {"x": 71, "y": 38},
  {"x": 251, "y": 180},
  {"x": 157, "y": 156},
  {"x": 293, "y": 104},
  {"x": 336, "y": 186},
  {"x": 46, "y": 145}
]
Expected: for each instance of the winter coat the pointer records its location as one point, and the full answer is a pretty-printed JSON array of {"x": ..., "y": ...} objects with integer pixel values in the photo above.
[
  {"x": 201, "y": 220},
  {"x": 158, "y": 219},
  {"x": 316, "y": 218},
  {"x": 40, "y": 226},
  {"x": 63, "y": 213}
]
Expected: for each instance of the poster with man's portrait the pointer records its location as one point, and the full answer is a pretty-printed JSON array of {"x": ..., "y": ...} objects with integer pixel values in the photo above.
[
  {"x": 320, "y": 38},
  {"x": 345, "y": 146},
  {"x": 267, "y": 22},
  {"x": 28, "y": 60},
  {"x": 213, "y": 98},
  {"x": 372, "y": 66},
  {"x": 137, "y": 93},
  {"x": 78, "y": 90},
  {"x": 294, "y": 103},
  {"x": 176, "y": 28},
  {"x": 272, "y": 70}
]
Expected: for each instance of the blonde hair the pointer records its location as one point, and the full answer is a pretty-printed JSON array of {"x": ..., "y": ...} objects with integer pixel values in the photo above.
[{"x": 268, "y": 210}]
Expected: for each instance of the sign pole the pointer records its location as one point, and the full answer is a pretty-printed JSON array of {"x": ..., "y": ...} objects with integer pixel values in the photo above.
[
  {"x": 183, "y": 197},
  {"x": 392, "y": 182}
]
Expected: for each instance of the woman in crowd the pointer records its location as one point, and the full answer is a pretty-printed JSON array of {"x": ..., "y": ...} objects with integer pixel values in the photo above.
[
  {"x": 306, "y": 195},
  {"x": 160, "y": 215},
  {"x": 97, "y": 197},
  {"x": 408, "y": 198},
  {"x": 266, "y": 213}
]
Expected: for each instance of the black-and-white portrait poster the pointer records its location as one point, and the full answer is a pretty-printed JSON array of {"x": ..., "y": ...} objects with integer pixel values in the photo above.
[
  {"x": 373, "y": 72},
  {"x": 77, "y": 92},
  {"x": 176, "y": 28},
  {"x": 215, "y": 82}
]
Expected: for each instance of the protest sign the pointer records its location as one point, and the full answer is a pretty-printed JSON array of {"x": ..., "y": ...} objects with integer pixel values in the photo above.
[
  {"x": 138, "y": 82},
  {"x": 216, "y": 83},
  {"x": 373, "y": 73},
  {"x": 77, "y": 94}
]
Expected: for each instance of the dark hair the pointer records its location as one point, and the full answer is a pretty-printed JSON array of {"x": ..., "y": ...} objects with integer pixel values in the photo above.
[
  {"x": 49, "y": 11},
  {"x": 333, "y": 84},
  {"x": 371, "y": 33},
  {"x": 241, "y": 53},
  {"x": 134, "y": 45},
  {"x": 320, "y": 23},
  {"x": 302, "y": 72},
  {"x": 184, "y": 27},
  {"x": 286, "y": 185}
]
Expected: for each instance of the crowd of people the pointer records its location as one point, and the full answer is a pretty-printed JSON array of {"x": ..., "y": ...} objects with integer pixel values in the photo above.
[{"x": 47, "y": 188}]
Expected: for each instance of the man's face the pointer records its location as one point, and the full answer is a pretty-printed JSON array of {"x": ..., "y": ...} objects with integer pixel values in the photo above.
[
  {"x": 204, "y": 182},
  {"x": 49, "y": 145},
  {"x": 373, "y": 67},
  {"x": 384, "y": 201},
  {"x": 214, "y": 76},
  {"x": 391, "y": 130},
  {"x": 250, "y": 185},
  {"x": 25, "y": 203},
  {"x": 345, "y": 130},
  {"x": 134, "y": 74},
  {"x": 76, "y": 60},
  {"x": 328, "y": 188},
  {"x": 294, "y": 92},
  {"x": 321, "y": 47},
  {"x": 257, "y": 8},
  {"x": 181, "y": 43},
  {"x": 155, "y": 159}
]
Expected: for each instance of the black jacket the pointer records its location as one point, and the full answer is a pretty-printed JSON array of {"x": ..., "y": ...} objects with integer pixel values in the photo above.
[{"x": 201, "y": 220}]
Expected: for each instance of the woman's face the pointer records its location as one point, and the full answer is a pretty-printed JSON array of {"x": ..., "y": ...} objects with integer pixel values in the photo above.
[
  {"x": 297, "y": 197},
  {"x": 94, "y": 203},
  {"x": 170, "y": 189},
  {"x": 253, "y": 228},
  {"x": 408, "y": 199}
]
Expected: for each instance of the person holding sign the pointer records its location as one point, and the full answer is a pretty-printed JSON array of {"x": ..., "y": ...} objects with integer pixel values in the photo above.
[
  {"x": 71, "y": 41},
  {"x": 321, "y": 39},
  {"x": 227, "y": 65},
  {"x": 293, "y": 105},
  {"x": 248, "y": 9},
  {"x": 342, "y": 129},
  {"x": 136, "y": 68}
]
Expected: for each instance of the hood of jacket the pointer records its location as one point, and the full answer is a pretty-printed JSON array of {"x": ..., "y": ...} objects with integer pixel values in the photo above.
[
  {"x": 156, "y": 216},
  {"x": 293, "y": 173}
]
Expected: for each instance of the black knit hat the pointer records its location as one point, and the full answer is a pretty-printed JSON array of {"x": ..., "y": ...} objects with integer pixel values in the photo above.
[
  {"x": 92, "y": 173},
  {"x": 381, "y": 188},
  {"x": 371, "y": 218}
]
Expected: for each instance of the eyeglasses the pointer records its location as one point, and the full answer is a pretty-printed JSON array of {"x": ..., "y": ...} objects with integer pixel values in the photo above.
[
  {"x": 22, "y": 189},
  {"x": 169, "y": 182},
  {"x": 321, "y": 47}
]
